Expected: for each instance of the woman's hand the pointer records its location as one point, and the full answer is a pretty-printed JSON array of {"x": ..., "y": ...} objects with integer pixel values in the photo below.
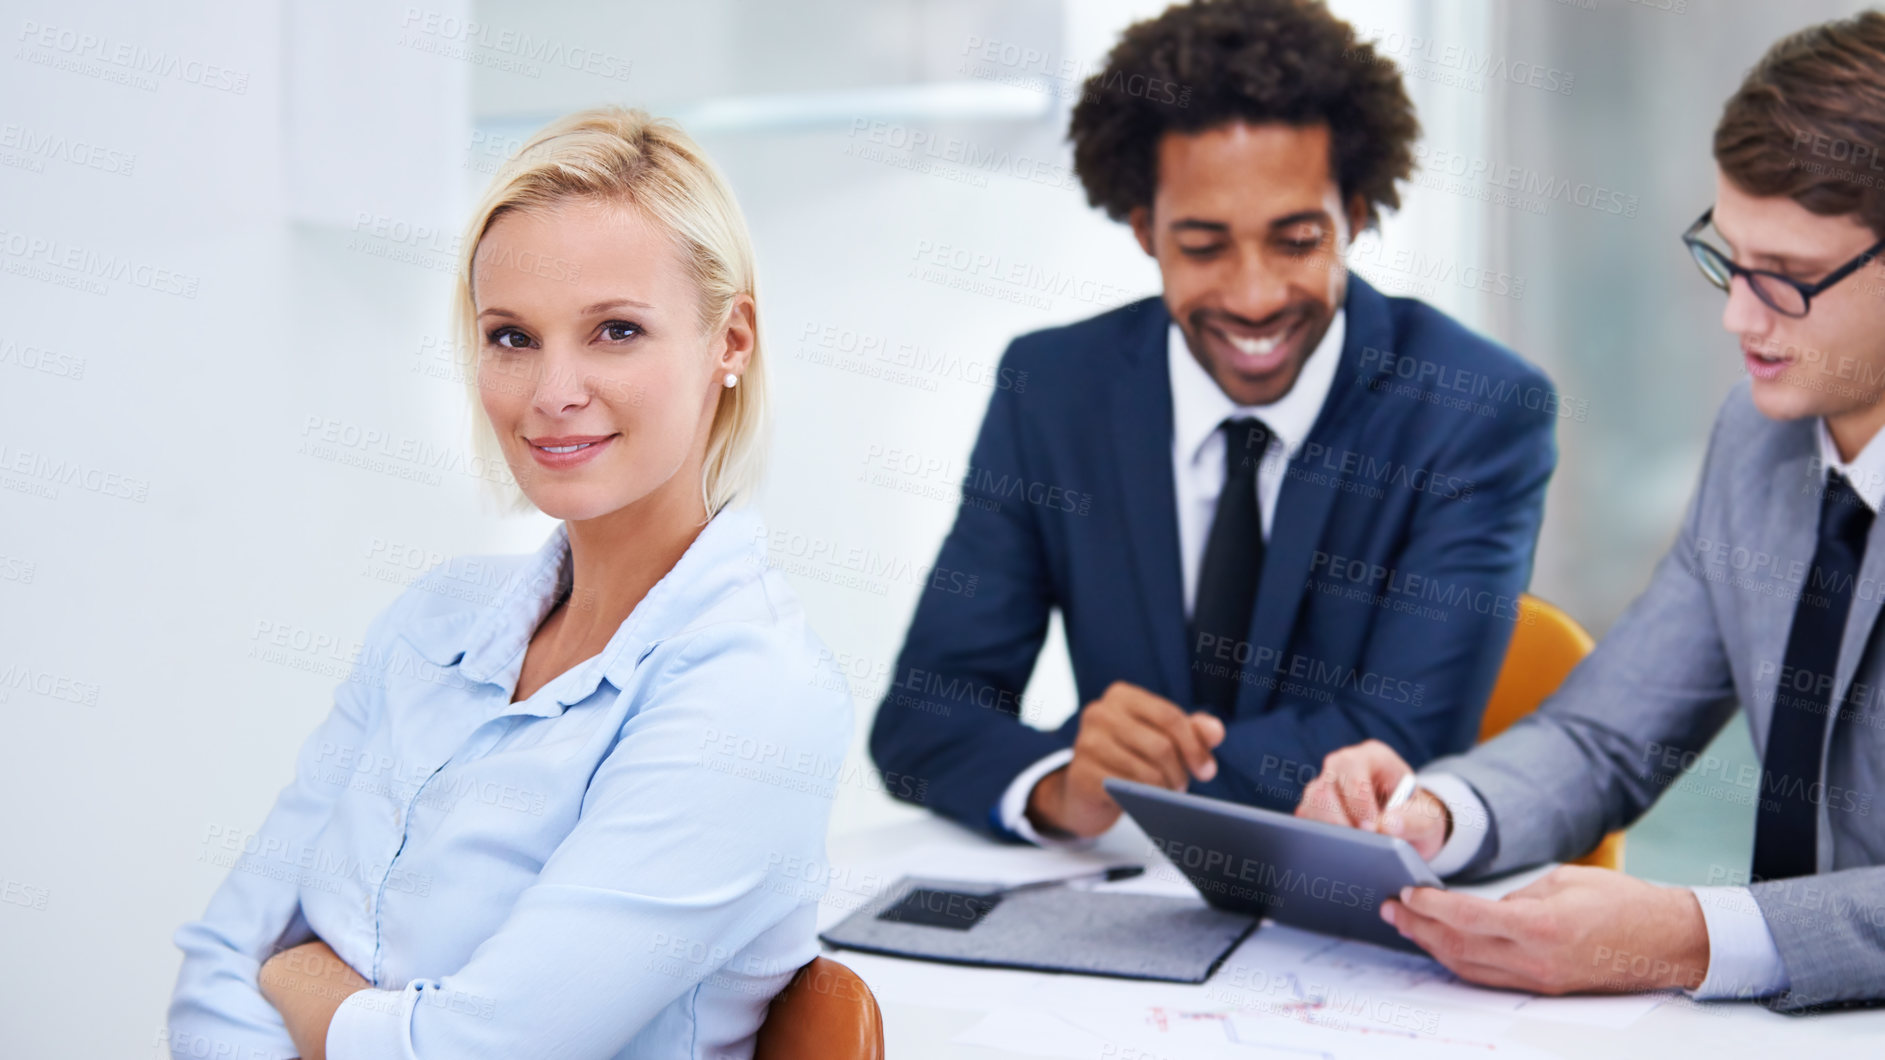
[{"x": 306, "y": 985}]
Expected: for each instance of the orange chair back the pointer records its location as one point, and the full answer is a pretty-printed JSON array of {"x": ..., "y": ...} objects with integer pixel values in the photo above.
[
  {"x": 1546, "y": 645},
  {"x": 825, "y": 1013}
]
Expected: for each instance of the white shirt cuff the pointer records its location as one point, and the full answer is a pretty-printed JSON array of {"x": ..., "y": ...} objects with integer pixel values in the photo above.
[
  {"x": 1014, "y": 801},
  {"x": 1469, "y": 822},
  {"x": 369, "y": 1023},
  {"x": 1743, "y": 961}
]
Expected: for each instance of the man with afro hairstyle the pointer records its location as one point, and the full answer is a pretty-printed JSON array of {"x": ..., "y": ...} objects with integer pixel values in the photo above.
[{"x": 1278, "y": 511}]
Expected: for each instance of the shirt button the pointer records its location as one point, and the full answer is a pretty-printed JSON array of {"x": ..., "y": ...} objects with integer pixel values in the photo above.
[{"x": 366, "y": 905}]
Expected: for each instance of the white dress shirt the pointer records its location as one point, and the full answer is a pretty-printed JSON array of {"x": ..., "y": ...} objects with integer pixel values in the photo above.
[
  {"x": 1743, "y": 961},
  {"x": 1199, "y": 408}
]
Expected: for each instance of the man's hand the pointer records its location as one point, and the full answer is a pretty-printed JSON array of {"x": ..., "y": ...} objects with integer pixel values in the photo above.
[
  {"x": 1354, "y": 783},
  {"x": 1130, "y": 733},
  {"x": 1578, "y": 930},
  {"x": 306, "y": 984}
]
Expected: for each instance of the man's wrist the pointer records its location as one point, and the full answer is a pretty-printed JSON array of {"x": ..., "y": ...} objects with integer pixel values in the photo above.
[
  {"x": 1466, "y": 823},
  {"x": 1046, "y": 803},
  {"x": 1690, "y": 954},
  {"x": 1446, "y": 814},
  {"x": 1743, "y": 959}
]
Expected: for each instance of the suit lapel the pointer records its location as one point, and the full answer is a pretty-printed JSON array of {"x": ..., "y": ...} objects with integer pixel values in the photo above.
[
  {"x": 1790, "y": 528},
  {"x": 1302, "y": 506},
  {"x": 1141, "y": 429},
  {"x": 1865, "y": 608}
]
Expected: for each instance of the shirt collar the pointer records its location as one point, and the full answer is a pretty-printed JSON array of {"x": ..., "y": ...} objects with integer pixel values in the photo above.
[
  {"x": 487, "y": 642},
  {"x": 1200, "y": 406},
  {"x": 1866, "y": 472}
]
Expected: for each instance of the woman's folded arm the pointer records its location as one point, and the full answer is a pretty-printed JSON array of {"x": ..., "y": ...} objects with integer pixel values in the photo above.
[
  {"x": 217, "y": 1008},
  {"x": 687, "y": 850}
]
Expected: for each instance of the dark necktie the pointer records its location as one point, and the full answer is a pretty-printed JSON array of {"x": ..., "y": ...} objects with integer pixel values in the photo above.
[
  {"x": 1227, "y": 582},
  {"x": 1786, "y": 824}
]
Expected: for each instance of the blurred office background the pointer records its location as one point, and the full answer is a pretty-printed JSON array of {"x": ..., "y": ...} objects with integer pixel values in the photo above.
[{"x": 232, "y": 430}]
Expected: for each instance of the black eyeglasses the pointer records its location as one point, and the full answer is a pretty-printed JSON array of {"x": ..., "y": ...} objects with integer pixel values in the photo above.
[{"x": 1783, "y": 294}]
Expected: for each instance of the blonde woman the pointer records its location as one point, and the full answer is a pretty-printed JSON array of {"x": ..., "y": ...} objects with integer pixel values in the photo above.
[{"x": 553, "y": 811}]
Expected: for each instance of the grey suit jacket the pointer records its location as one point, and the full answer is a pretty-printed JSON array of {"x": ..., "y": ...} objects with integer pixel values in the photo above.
[{"x": 1708, "y": 635}]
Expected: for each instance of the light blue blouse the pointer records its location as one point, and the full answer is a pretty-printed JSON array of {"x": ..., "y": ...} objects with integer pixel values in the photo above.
[{"x": 625, "y": 864}]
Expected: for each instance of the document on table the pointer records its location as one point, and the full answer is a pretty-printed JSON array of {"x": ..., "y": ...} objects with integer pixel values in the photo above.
[
  {"x": 1338, "y": 972},
  {"x": 1189, "y": 1032},
  {"x": 1287, "y": 994}
]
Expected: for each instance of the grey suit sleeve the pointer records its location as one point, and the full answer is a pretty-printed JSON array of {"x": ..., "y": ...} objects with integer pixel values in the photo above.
[
  {"x": 1596, "y": 754},
  {"x": 1830, "y": 930}
]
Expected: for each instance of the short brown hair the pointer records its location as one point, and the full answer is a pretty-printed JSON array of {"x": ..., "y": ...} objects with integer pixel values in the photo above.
[
  {"x": 1258, "y": 61},
  {"x": 1808, "y": 122}
]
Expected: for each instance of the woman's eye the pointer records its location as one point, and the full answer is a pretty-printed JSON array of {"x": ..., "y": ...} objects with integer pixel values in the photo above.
[
  {"x": 620, "y": 330},
  {"x": 1204, "y": 251},
  {"x": 502, "y": 337}
]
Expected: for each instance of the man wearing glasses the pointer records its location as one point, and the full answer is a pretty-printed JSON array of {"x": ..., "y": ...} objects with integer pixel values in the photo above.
[{"x": 1767, "y": 601}]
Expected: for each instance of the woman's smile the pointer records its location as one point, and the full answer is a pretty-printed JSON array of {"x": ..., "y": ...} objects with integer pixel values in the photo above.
[{"x": 559, "y": 452}]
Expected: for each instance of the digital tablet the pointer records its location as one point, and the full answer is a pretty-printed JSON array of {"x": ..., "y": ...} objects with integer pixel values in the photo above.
[{"x": 1307, "y": 874}]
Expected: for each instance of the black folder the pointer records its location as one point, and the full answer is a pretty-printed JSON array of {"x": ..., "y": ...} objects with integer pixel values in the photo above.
[{"x": 1057, "y": 929}]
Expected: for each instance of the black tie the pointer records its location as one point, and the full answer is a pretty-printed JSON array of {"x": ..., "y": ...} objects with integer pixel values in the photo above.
[
  {"x": 1786, "y": 824},
  {"x": 1227, "y": 583}
]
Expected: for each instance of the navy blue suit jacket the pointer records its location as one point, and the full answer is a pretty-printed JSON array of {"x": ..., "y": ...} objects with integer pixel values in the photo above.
[{"x": 1401, "y": 541}]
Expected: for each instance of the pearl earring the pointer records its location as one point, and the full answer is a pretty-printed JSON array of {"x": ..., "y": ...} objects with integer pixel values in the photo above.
[{"x": 731, "y": 381}]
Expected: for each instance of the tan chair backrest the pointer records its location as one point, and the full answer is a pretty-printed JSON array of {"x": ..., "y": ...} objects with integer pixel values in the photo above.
[
  {"x": 825, "y": 1013},
  {"x": 1546, "y": 645}
]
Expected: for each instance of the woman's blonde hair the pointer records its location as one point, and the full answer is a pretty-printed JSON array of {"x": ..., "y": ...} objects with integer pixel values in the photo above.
[{"x": 621, "y": 155}]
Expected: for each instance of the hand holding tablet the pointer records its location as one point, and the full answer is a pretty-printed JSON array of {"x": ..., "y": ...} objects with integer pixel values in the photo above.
[
  {"x": 1348, "y": 792},
  {"x": 1308, "y": 874}
]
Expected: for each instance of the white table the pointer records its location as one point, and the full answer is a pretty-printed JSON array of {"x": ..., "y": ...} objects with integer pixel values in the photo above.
[{"x": 1245, "y": 1011}]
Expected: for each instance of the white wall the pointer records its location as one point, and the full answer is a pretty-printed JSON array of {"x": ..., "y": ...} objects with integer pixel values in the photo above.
[{"x": 159, "y": 515}]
